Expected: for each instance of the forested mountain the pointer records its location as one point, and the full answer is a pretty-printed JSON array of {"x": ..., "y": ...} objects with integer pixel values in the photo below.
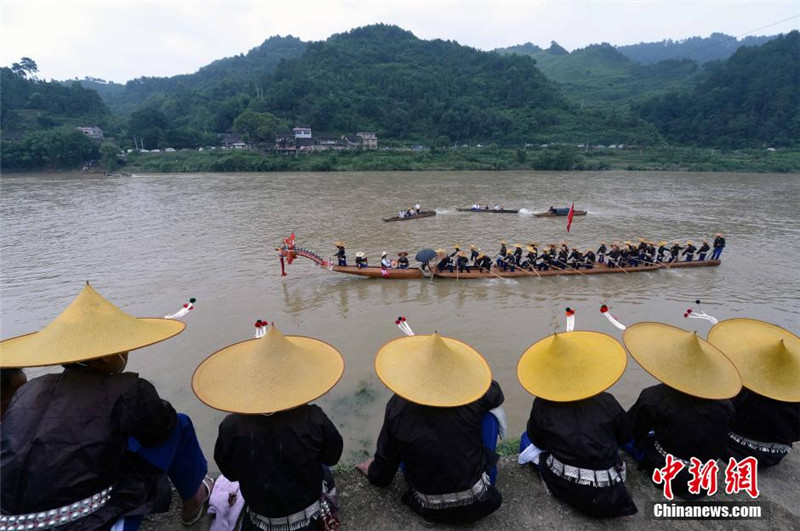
[
  {"x": 224, "y": 76},
  {"x": 29, "y": 104},
  {"x": 599, "y": 75},
  {"x": 752, "y": 99},
  {"x": 715, "y": 47}
]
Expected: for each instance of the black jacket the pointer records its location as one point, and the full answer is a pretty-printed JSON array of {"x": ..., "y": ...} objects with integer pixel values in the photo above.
[
  {"x": 764, "y": 419},
  {"x": 585, "y": 433},
  {"x": 64, "y": 439},
  {"x": 441, "y": 446},
  {"x": 685, "y": 426},
  {"x": 277, "y": 459}
]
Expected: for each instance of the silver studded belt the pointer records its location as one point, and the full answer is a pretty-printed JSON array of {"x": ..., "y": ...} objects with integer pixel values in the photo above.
[
  {"x": 586, "y": 476},
  {"x": 292, "y": 522},
  {"x": 56, "y": 517},
  {"x": 663, "y": 453},
  {"x": 454, "y": 499},
  {"x": 769, "y": 448}
]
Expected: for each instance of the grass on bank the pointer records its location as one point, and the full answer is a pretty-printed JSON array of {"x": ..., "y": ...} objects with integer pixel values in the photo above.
[{"x": 565, "y": 158}]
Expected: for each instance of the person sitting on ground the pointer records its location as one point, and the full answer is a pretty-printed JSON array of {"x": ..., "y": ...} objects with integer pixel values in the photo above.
[
  {"x": 10, "y": 381},
  {"x": 767, "y": 418},
  {"x": 719, "y": 245},
  {"x": 361, "y": 260},
  {"x": 275, "y": 444},
  {"x": 575, "y": 429},
  {"x": 402, "y": 260},
  {"x": 109, "y": 436},
  {"x": 340, "y": 253},
  {"x": 689, "y": 251},
  {"x": 441, "y": 426},
  {"x": 702, "y": 251},
  {"x": 689, "y": 414}
]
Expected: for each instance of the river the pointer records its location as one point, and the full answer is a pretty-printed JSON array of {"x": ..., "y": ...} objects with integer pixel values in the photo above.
[{"x": 150, "y": 242}]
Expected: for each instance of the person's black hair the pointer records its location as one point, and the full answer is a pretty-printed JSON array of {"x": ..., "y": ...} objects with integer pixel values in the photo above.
[{"x": 8, "y": 375}]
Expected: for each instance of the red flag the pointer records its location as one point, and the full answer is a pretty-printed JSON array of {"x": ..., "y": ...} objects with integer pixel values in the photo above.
[{"x": 570, "y": 215}]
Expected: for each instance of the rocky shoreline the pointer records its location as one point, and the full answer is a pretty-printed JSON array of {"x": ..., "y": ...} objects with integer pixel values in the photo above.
[{"x": 527, "y": 504}]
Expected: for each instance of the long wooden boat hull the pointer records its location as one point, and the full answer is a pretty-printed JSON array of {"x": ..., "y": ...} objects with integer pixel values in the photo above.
[
  {"x": 551, "y": 215},
  {"x": 596, "y": 270},
  {"x": 375, "y": 272},
  {"x": 490, "y": 211},
  {"x": 423, "y": 214}
]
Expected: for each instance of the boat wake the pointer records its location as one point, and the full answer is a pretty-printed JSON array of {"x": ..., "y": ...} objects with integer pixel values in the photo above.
[
  {"x": 525, "y": 212},
  {"x": 445, "y": 210}
]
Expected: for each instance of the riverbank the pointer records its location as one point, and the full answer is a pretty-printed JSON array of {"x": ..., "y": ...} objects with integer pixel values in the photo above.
[
  {"x": 492, "y": 158},
  {"x": 527, "y": 505}
]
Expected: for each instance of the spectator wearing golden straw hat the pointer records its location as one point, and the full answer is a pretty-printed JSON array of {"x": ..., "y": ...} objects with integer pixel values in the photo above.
[
  {"x": 575, "y": 429},
  {"x": 439, "y": 425},
  {"x": 275, "y": 444},
  {"x": 689, "y": 414},
  {"x": 94, "y": 435},
  {"x": 767, "y": 419}
]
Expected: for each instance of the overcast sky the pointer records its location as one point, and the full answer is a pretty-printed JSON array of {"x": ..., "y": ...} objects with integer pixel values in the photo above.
[{"x": 122, "y": 40}]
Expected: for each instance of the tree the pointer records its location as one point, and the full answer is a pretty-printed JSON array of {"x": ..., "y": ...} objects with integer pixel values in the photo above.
[
  {"x": 108, "y": 155},
  {"x": 25, "y": 68},
  {"x": 257, "y": 126}
]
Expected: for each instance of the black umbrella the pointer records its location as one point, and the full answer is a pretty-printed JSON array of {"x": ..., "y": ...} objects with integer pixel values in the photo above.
[{"x": 425, "y": 255}]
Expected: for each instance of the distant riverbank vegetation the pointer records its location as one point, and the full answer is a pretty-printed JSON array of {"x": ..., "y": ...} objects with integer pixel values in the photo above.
[
  {"x": 491, "y": 158},
  {"x": 436, "y": 105}
]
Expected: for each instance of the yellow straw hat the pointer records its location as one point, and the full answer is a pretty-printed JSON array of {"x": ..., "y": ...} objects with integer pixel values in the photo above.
[
  {"x": 682, "y": 360},
  {"x": 433, "y": 370},
  {"x": 339, "y": 243},
  {"x": 360, "y": 254},
  {"x": 473, "y": 247},
  {"x": 270, "y": 374},
  {"x": 530, "y": 249},
  {"x": 89, "y": 328},
  {"x": 503, "y": 242},
  {"x": 480, "y": 255},
  {"x": 571, "y": 366},
  {"x": 767, "y": 356}
]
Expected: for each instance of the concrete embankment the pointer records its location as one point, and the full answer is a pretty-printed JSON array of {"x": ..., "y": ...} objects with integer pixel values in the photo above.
[{"x": 527, "y": 504}]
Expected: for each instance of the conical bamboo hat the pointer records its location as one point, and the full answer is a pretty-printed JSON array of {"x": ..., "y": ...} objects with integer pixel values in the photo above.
[
  {"x": 89, "y": 328},
  {"x": 767, "y": 356},
  {"x": 269, "y": 374},
  {"x": 571, "y": 366},
  {"x": 433, "y": 370},
  {"x": 682, "y": 360}
]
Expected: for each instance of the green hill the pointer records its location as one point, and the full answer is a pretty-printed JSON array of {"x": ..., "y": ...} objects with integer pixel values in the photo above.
[
  {"x": 715, "y": 47},
  {"x": 750, "y": 100}
]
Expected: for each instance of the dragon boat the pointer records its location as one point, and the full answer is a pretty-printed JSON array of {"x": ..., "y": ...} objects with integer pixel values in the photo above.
[
  {"x": 559, "y": 214},
  {"x": 289, "y": 251},
  {"x": 422, "y": 214},
  {"x": 490, "y": 210}
]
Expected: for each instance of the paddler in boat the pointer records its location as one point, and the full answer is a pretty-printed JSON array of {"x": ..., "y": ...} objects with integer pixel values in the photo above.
[
  {"x": 719, "y": 245},
  {"x": 601, "y": 252},
  {"x": 385, "y": 262},
  {"x": 661, "y": 251},
  {"x": 402, "y": 260},
  {"x": 401, "y": 214},
  {"x": 517, "y": 254},
  {"x": 689, "y": 414},
  {"x": 589, "y": 259},
  {"x": 502, "y": 255},
  {"x": 340, "y": 253},
  {"x": 474, "y": 251},
  {"x": 674, "y": 251},
  {"x": 689, "y": 250},
  {"x": 552, "y": 210},
  {"x": 462, "y": 262},
  {"x": 457, "y": 250},
  {"x": 702, "y": 251},
  {"x": 767, "y": 418},
  {"x": 483, "y": 262},
  {"x": 530, "y": 258},
  {"x": 632, "y": 255},
  {"x": 444, "y": 261},
  {"x": 417, "y": 207},
  {"x": 650, "y": 252},
  {"x": 497, "y": 207},
  {"x": 575, "y": 258},
  {"x": 614, "y": 256},
  {"x": 361, "y": 259},
  {"x": 562, "y": 257}
]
